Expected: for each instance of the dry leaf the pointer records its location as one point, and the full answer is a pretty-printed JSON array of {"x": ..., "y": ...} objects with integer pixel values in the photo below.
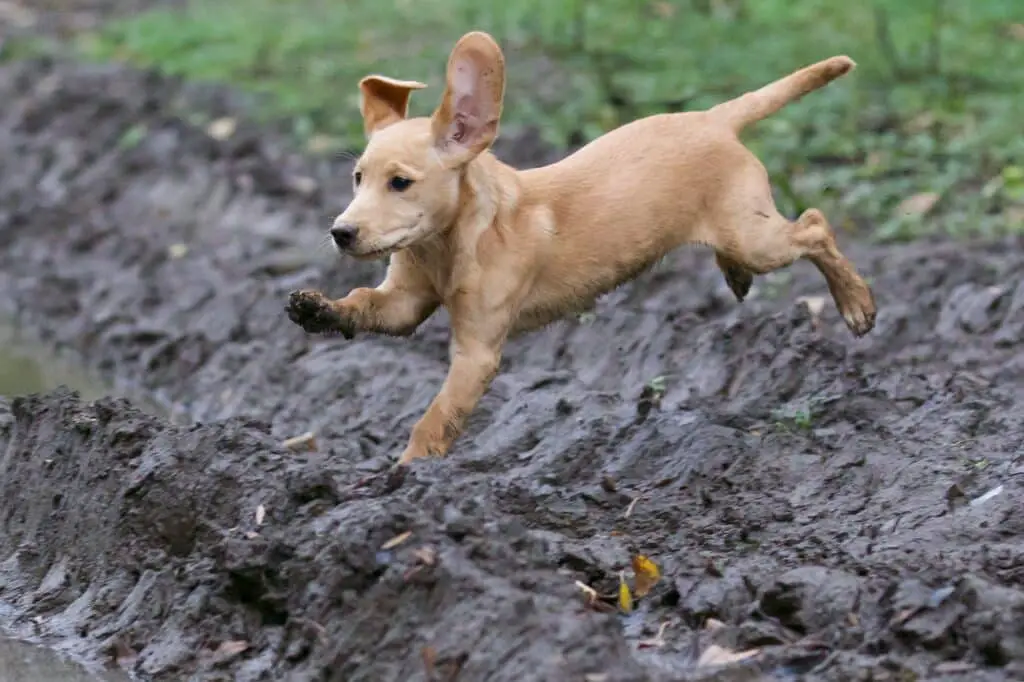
[
  {"x": 918, "y": 204},
  {"x": 306, "y": 441},
  {"x": 588, "y": 590},
  {"x": 1016, "y": 31},
  {"x": 176, "y": 251},
  {"x": 261, "y": 514},
  {"x": 713, "y": 624},
  {"x": 232, "y": 647},
  {"x": 717, "y": 655},
  {"x": 625, "y": 597},
  {"x": 222, "y": 128},
  {"x": 426, "y": 555},
  {"x": 647, "y": 574},
  {"x": 397, "y": 540},
  {"x": 596, "y": 677},
  {"x": 251, "y": 535}
]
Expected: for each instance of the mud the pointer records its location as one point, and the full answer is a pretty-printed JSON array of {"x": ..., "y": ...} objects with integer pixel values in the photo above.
[{"x": 851, "y": 508}]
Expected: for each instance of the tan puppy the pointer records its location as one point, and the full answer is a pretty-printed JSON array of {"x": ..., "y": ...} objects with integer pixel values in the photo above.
[{"x": 506, "y": 251}]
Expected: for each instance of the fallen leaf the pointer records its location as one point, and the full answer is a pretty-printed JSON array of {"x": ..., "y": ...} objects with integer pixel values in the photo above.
[
  {"x": 717, "y": 655},
  {"x": 426, "y": 555},
  {"x": 261, "y": 514},
  {"x": 232, "y": 647},
  {"x": 1016, "y": 31},
  {"x": 918, "y": 204},
  {"x": 625, "y": 597},
  {"x": 177, "y": 251},
  {"x": 251, "y": 535},
  {"x": 647, "y": 574},
  {"x": 657, "y": 641},
  {"x": 587, "y": 590},
  {"x": 713, "y": 624},
  {"x": 305, "y": 441},
  {"x": 596, "y": 677},
  {"x": 397, "y": 540},
  {"x": 222, "y": 128}
]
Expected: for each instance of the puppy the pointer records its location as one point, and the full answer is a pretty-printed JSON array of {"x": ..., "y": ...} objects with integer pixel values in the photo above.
[{"x": 507, "y": 251}]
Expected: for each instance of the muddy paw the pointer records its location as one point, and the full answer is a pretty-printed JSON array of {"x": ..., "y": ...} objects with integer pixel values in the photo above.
[
  {"x": 313, "y": 311},
  {"x": 858, "y": 310}
]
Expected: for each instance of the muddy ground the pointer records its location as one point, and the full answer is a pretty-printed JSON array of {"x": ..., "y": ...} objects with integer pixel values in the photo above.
[{"x": 849, "y": 508}]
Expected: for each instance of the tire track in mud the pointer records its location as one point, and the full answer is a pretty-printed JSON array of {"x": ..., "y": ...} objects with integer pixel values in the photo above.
[{"x": 810, "y": 491}]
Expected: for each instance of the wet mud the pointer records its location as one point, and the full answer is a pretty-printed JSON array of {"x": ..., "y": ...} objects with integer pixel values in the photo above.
[{"x": 851, "y": 509}]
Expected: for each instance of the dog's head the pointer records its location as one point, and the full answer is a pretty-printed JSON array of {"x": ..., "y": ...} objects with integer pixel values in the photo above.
[{"x": 407, "y": 180}]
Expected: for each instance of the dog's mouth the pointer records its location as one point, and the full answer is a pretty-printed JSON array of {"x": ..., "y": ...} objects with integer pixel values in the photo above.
[{"x": 407, "y": 237}]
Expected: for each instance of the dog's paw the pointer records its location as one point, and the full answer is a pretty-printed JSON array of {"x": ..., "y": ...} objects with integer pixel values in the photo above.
[
  {"x": 313, "y": 311},
  {"x": 857, "y": 306}
]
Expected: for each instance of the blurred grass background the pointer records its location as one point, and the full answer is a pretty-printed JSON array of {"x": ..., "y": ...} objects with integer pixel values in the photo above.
[{"x": 925, "y": 137}]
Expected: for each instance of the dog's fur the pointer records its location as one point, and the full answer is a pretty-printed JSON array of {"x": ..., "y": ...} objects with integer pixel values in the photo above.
[{"x": 507, "y": 251}]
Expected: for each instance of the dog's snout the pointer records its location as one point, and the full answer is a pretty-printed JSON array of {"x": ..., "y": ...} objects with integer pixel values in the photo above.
[{"x": 344, "y": 235}]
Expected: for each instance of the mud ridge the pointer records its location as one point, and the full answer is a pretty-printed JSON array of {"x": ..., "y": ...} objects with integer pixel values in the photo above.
[{"x": 850, "y": 508}]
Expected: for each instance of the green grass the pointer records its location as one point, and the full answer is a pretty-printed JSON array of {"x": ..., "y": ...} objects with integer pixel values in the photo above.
[{"x": 936, "y": 105}]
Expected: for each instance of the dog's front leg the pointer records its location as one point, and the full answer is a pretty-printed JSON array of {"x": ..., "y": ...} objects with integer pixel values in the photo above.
[
  {"x": 396, "y": 308},
  {"x": 475, "y": 357}
]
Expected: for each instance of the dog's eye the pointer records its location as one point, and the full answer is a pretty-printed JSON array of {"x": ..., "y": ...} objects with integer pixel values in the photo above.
[
  {"x": 357, "y": 178},
  {"x": 399, "y": 184}
]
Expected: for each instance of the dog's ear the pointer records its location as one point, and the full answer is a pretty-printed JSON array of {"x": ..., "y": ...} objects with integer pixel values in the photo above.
[
  {"x": 466, "y": 121},
  {"x": 384, "y": 101}
]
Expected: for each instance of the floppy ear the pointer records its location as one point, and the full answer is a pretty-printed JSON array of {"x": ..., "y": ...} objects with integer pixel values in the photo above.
[
  {"x": 466, "y": 121},
  {"x": 384, "y": 101}
]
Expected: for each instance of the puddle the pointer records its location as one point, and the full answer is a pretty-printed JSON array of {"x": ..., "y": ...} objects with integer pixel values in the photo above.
[
  {"x": 26, "y": 368},
  {"x": 22, "y": 662}
]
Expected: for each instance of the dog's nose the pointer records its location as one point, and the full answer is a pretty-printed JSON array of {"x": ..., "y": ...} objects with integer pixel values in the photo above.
[{"x": 344, "y": 235}]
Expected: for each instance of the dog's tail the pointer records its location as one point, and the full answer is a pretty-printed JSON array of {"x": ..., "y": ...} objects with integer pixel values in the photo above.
[{"x": 753, "y": 106}]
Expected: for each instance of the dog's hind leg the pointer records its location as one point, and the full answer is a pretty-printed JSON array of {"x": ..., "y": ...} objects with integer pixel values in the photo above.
[{"x": 752, "y": 237}]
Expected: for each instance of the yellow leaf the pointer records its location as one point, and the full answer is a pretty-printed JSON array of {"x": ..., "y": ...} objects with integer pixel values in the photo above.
[
  {"x": 625, "y": 598},
  {"x": 647, "y": 574},
  {"x": 397, "y": 540}
]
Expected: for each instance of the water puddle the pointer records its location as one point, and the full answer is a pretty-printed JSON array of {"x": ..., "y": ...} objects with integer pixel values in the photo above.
[
  {"x": 29, "y": 367},
  {"x": 26, "y": 368},
  {"x": 22, "y": 662}
]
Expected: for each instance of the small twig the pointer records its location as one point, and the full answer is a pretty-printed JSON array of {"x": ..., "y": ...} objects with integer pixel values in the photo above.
[{"x": 631, "y": 507}]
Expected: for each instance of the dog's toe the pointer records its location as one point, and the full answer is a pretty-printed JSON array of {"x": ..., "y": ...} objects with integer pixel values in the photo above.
[{"x": 859, "y": 312}]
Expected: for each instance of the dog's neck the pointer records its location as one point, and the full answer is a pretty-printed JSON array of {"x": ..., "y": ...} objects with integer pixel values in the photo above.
[{"x": 489, "y": 196}]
